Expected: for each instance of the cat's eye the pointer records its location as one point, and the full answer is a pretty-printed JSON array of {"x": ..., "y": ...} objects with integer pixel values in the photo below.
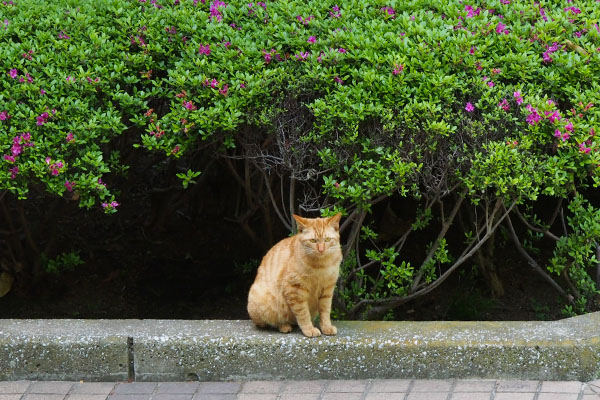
[
  {"x": 313, "y": 240},
  {"x": 327, "y": 239}
]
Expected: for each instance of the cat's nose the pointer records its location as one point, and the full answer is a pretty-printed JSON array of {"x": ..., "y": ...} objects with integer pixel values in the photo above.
[{"x": 321, "y": 247}]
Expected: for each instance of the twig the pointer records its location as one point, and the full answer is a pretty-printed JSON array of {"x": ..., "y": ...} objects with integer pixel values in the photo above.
[
  {"x": 279, "y": 214},
  {"x": 546, "y": 232}
]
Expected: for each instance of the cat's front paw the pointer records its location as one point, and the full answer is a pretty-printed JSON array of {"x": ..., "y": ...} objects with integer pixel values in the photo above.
[
  {"x": 311, "y": 332},
  {"x": 329, "y": 330}
]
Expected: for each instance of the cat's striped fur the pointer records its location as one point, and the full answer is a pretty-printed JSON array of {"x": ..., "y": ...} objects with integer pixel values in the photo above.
[{"x": 296, "y": 279}]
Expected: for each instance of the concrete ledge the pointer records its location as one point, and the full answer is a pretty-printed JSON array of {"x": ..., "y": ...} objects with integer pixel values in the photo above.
[{"x": 167, "y": 350}]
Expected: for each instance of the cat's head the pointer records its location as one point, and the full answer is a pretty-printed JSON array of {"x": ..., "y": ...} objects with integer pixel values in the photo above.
[{"x": 319, "y": 235}]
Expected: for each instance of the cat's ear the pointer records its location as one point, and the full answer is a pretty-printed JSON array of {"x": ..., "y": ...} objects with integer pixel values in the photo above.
[
  {"x": 335, "y": 221},
  {"x": 301, "y": 222}
]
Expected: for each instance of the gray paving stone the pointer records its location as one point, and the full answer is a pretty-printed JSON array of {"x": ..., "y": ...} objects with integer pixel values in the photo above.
[
  {"x": 389, "y": 385},
  {"x": 145, "y": 396},
  {"x": 299, "y": 396},
  {"x": 590, "y": 389},
  {"x": 177, "y": 388},
  {"x": 50, "y": 387},
  {"x": 469, "y": 386},
  {"x": 432, "y": 385},
  {"x": 304, "y": 387},
  {"x": 14, "y": 387},
  {"x": 561, "y": 387},
  {"x": 590, "y": 397},
  {"x": 517, "y": 386},
  {"x": 386, "y": 396},
  {"x": 342, "y": 396},
  {"x": 43, "y": 396},
  {"x": 92, "y": 388},
  {"x": 10, "y": 396},
  {"x": 514, "y": 396},
  {"x": 86, "y": 397},
  {"x": 219, "y": 387},
  {"x": 262, "y": 387},
  {"x": 256, "y": 396},
  {"x": 346, "y": 386},
  {"x": 558, "y": 396},
  {"x": 471, "y": 396},
  {"x": 173, "y": 396},
  {"x": 135, "y": 388},
  {"x": 427, "y": 396},
  {"x": 214, "y": 396}
]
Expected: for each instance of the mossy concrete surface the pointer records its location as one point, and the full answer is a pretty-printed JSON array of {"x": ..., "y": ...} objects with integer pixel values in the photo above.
[{"x": 174, "y": 350}]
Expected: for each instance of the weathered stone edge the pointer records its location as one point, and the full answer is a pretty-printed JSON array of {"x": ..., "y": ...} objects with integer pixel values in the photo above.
[{"x": 164, "y": 350}]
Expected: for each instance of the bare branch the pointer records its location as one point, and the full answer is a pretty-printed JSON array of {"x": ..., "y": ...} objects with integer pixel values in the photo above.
[{"x": 546, "y": 232}]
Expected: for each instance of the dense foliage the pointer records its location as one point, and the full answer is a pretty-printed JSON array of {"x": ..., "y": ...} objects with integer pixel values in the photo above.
[{"x": 457, "y": 120}]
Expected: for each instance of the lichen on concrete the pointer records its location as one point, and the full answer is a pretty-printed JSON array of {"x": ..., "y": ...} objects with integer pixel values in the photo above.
[{"x": 231, "y": 350}]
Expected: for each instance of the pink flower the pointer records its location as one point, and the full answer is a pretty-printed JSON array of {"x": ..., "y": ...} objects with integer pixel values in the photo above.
[
  {"x": 490, "y": 84},
  {"x": 13, "y": 172},
  {"x": 42, "y": 92},
  {"x": 569, "y": 126},
  {"x": 398, "y": 69},
  {"x": 338, "y": 80},
  {"x": 389, "y": 11},
  {"x": 13, "y": 73},
  {"x": 111, "y": 205},
  {"x": 312, "y": 39},
  {"x": 342, "y": 50},
  {"x": 583, "y": 148},
  {"x": 215, "y": 13},
  {"x": 534, "y": 117},
  {"x": 70, "y": 137},
  {"x": 469, "y": 107},
  {"x": 554, "y": 116},
  {"x": 63, "y": 35},
  {"x": 303, "y": 55},
  {"x": 518, "y": 98},
  {"x": 9, "y": 158},
  {"x": 204, "y": 49},
  {"x": 504, "y": 105},
  {"x": 188, "y": 105},
  {"x": 335, "y": 12},
  {"x": 70, "y": 185},
  {"x": 501, "y": 28},
  {"x": 42, "y": 119},
  {"x": 224, "y": 90},
  {"x": 573, "y": 10},
  {"x": 472, "y": 50},
  {"x": 70, "y": 79},
  {"x": 4, "y": 116}
]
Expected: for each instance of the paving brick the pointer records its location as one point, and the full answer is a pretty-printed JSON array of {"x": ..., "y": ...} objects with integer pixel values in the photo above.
[
  {"x": 16, "y": 387},
  {"x": 299, "y": 396},
  {"x": 471, "y": 396},
  {"x": 432, "y": 385},
  {"x": 262, "y": 387},
  {"x": 145, "y": 396},
  {"x": 92, "y": 388},
  {"x": 219, "y": 387},
  {"x": 342, "y": 396},
  {"x": 346, "y": 386},
  {"x": 561, "y": 387},
  {"x": 177, "y": 388},
  {"x": 558, "y": 396},
  {"x": 386, "y": 396},
  {"x": 214, "y": 396},
  {"x": 590, "y": 397},
  {"x": 257, "y": 396},
  {"x": 43, "y": 396},
  {"x": 589, "y": 389},
  {"x": 135, "y": 388},
  {"x": 10, "y": 396},
  {"x": 86, "y": 397},
  {"x": 427, "y": 396},
  {"x": 50, "y": 387},
  {"x": 389, "y": 385},
  {"x": 517, "y": 386},
  {"x": 173, "y": 396},
  {"x": 304, "y": 387},
  {"x": 514, "y": 396},
  {"x": 472, "y": 386}
]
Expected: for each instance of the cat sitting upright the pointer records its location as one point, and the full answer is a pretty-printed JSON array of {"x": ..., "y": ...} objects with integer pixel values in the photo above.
[{"x": 296, "y": 279}]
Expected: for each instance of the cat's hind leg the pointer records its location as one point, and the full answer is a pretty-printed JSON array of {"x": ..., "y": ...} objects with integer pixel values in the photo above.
[{"x": 285, "y": 328}]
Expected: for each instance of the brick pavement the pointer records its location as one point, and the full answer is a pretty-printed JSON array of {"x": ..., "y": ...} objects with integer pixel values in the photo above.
[{"x": 374, "y": 389}]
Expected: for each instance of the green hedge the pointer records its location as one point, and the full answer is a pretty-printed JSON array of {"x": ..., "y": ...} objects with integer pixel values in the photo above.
[{"x": 469, "y": 109}]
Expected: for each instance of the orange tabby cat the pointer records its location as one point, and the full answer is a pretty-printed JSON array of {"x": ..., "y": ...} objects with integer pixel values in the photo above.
[{"x": 296, "y": 279}]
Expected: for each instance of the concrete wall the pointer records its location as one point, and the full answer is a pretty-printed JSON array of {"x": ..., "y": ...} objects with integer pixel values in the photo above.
[{"x": 161, "y": 350}]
